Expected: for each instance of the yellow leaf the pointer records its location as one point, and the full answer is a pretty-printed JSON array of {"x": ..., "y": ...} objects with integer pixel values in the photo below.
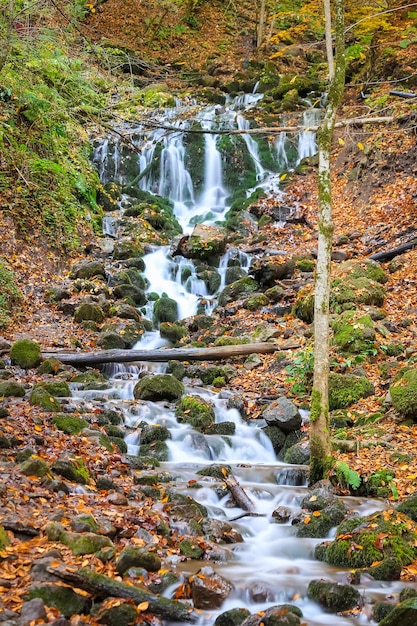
[
  {"x": 283, "y": 177},
  {"x": 293, "y": 79},
  {"x": 360, "y": 145},
  {"x": 143, "y": 606},
  {"x": 316, "y": 513},
  {"x": 307, "y": 520},
  {"x": 313, "y": 499},
  {"x": 341, "y": 142}
]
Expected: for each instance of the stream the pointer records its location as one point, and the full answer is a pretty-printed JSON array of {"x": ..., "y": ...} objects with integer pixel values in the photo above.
[{"x": 272, "y": 565}]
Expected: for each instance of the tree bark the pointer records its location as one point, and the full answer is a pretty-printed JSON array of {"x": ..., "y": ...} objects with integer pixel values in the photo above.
[
  {"x": 320, "y": 442},
  {"x": 239, "y": 494},
  {"x": 104, "y": 587},
  {"x": 172, "y": 354}
]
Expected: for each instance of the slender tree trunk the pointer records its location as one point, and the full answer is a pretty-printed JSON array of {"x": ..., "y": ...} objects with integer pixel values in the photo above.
[
  {"x": 319, "y": 417},
  {"x": 329, "y": 42},
  {"x": 261, "y": 24}
]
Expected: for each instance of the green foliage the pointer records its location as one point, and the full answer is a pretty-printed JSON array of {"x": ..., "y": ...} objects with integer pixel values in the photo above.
[
  {"x": 301, "y": 371},
  {"x": 10, "y": 293},
  {"x": 347, "y": 476}
]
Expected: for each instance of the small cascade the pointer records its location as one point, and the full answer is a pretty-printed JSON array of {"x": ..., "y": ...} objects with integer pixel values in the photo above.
[
  {"x": 252, "y": 146},
  {"x": 307, "y": 145}
]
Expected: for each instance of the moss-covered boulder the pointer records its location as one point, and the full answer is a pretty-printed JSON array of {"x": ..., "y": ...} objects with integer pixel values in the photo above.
[
  {"x": 8, "y": 389},
  {"x": 26, "y": 353},
  {"x": 70, "y": 424},
  {"x": 129, "y": 276},
  {"x": 346, "y": 389},
  {"x": 131, "y": 556},
  {"x": 356, "y": 291},
  {"x": 196, "y": 411},
  {"x": 237, "y": 289},
  {"x": 404, "y": 394},
  {"x": 88, "y": 269},
  {"x": 72, "y": 469},
  {"x": 205, "y": 243},
  {"x": 78, "y": 543},
  {"x": 267, "y": 270},
  {"x": 172, "y": 332},
  {"x": 58, "y": 388},
  {"x": 51, "y": 365},
  {"x": 122, "y": 614},
  {"x": 126, "y": 248},
  {"x": 184, "y": 507},
  {"x": 158, "y": 387},
  {"x": 256, "y": 301},
  {"x": 111, "y": 340},
  {"x": 303, "y": 307},
  {"x": 66, "y": 600},
  {"x": 154, "y": 452},
  {"x": 89, "y": 311},
  {"x": 366, "y": 542},
  {"x": 154, "y": 432},
  {"x": 233, "y": 617},
  {"x": 405, "y": 614},
  {"x": 334, "y": 597},
  {"x": 278, "y": 615},
  {"x": 35, "y": 466},
  {"x": 131, "y": 293},
  {"x": 41, "y": 397},
  {"x": 366, "y": 268},
  {"x": 409, "y": 507},
  {"x": 353, "y": 332},
  {"x": 165, "y": 309}
]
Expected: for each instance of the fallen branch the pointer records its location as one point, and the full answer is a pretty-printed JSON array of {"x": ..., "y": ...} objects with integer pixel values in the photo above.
[
  {"x": 103, "y": 586},
  {"x": 172, "y": 354},
  {"x": 239, "y": 494},
  {"x": 390, "y": 254}
]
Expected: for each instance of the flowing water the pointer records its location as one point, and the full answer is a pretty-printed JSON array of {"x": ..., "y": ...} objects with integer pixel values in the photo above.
[{"x": 272, "y": 565}]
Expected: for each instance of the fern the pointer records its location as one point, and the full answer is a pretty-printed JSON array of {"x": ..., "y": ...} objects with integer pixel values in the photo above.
[{"x": 347, "y": 475}]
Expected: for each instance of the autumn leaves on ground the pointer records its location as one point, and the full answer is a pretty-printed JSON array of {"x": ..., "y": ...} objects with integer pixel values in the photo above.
[{"x": 374, "y": 191}]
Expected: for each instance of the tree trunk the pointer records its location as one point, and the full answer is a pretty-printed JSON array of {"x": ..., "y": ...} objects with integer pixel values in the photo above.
[
  {"x": 261, "y": 24},
  {"x": 173, "y": 354},
  {"x": 239, "y": 494},
  {"x": 320, "y": 443}
]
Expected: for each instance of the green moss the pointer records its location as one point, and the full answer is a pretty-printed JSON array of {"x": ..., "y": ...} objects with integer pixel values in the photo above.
[
  {"x": 346, "y": 389},
  {"x": 158, "y": 387},
  {"x": 235, "y": 290},
  {"x": 195, "y": 411},
  {"x": 165, "y": 309},
  {"x": 41, "y": 397},
  {"x": 172, "y": 332},
  {"x": 333, "y": 596},
  {"x": 190, "y": 549},
  {"x": 122, "y": 615},
  {"x": 10, "y": 294},
  {"x": 70, "y": 424},
  {"x": 404, "y": 394},
  {"x": 359, "y": 290},
  {"x": 72, "y": 469},
  {"x": 89, "y": 311},
  {"x": 131, "y": 556},
  {"x": 26, "y": 353},
  {"x": 231, "y": 341},
  {"x": 315, "y": 405},
  {"x": 156, "y": 450},
  {"x": 11, "y": 389},
  {"x": 353, "y": 332},
  {"x": 34, "y": 466},
  {"x": 303, "y": 307},
  {"x": 66, "y": 600},
  {"x": 255, "y": 302},
  {"x": 367, "y": 268},
  {"x": 404, "y": 614}
]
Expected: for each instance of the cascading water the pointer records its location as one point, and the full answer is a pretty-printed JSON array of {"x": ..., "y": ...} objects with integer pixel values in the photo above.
[{"x": 271, "y": 558}]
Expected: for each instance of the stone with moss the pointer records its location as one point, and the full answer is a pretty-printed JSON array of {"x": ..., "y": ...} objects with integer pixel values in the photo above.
[
  {"x": 255, "y": 302},
  {"x": 211, "y": 279},
  {"x": 353, "y": 332},
  {"x": 367, "y": 268},
  {"x": 154, "y": 432},
  {"x": 185, "y": 507},
  {"x": 35, "y": 466},
  {"x": 191, "y": 549},
  {"x": 129, "y": 276},
  {"x": 237, "y": 289},
  {"x": 72, "y": 469},
  {"x": 381, "y": 610},
  {"x": 58, "y": 388},
  {"x": 305, "y": 264},
  {"x": 84, "y": 523},
  {"x": 172, "y": 332},
  {"x": 51, "y": 365},
  {"x": 222, "y": 428},
  {"x": 124, "y": 614},
  {"x": 9, "y": 389},
  {"x": 90, "y": 376},
  {"x": 111, "y": 340},
  {"x": 158, "y": 387},
  {"x": 78, "y": 543},
  {"x": 66, "y": 600},
  {"x": 346, "y": 389},
  {"x": 196, "y": 411},
  {"x": 88, "y": 269},
  {"x": 334, "y": 597},
  {"x": 276, "y": 436},
  {"x": 404, "y": 394},
  {"x": 157, "y": 450},
  {"x": 267, "y": 271},
  {"x": 357, "y": 291},
  {"x": 26, "y": 353},
  {"x": 232, "y": 617},
  {"x": 165, "y": 309},
  {"x": 132, "y": 556},
  {"x": 89, "y": 311},
  {"x": 399, "y": 536},
  {"x": 303, "y": 307},
  {"x": 127, "y": 249},
  {"x": 404, "y": 613},
  {"x": 297, "y": 454},
  {"x": 409, "y": 507},
  {"x": 4, "y": 538},
  {"x": 231, "y": 341},
  {"x": 41, "y": 397}
]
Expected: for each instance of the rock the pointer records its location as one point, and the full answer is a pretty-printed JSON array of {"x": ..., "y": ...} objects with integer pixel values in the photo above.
[
  {"x": 124, "y": 614},
  {"x": 184, "y": 507},
  {"x": 89, "y": 311},
  {"x": 332, "y": 596},
  {"x": 70, "y": 424},
  {"x": 404, "y": 394},
  {"x": 165, "y": 309},
  {"x": 194, "y": 410},
  {"x": 33, "y": 610},
  {"x": 126, "y": 248},
  {"x": 284, "y": 414},
  {"x": 51, "y": 366},
  {"x": 321, "y": 521},
  {"x": 235, "y": 290},
  {"x": 208, "y": 589},
  {"x": 205, "y": 243},
  {"x": 233, "y": 617},
  {"x": 73, "y": 470},
  {"x": 34, "y": 466},
  {"x": 88, "y": 269},
  {"x": 279, "y": 615},
  {"x": 277, "y": 437},
  {"x": 221, "y": 532},
  {"x": 62, "y": 598},
  {"x": 130, "y": 292},
  {"x": 267, "y": 270},
  {"x": 282, "y": 514},
  {"x": 158, "y": 387},
  {"x": 132, "y": 556},
  {"x": 353, "y": 332},
  {"x": 346, "y": 389},
  {"x": 9, "y": 389},
  {"x": 298, "y": 454},
  {"x": 409, "y": 507},
  {"x": 154, "y": 432},
  {"x": 84, "y": 523},
  {"x": 78, "y": 543},
  {"x": 26, "y": 353},
  {"x": 172, "y": 332},
  {"x": 191, "y": 549},
  {"x": 252, "y": 361}
]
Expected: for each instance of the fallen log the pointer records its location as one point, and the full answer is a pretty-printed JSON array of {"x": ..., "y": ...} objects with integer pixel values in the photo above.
[
  {"x": 103, "y": 586},
  {"x": 390, "y": 254},
  {"x": 173, "y": 354},
  {"x": 239, "y": 494}
]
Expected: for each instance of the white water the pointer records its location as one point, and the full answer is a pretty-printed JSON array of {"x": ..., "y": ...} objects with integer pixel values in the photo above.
[{"x": 271, "y": 556}]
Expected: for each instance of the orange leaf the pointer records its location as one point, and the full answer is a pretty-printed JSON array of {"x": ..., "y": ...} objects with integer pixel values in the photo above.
[{"x": 143, "y": 606}]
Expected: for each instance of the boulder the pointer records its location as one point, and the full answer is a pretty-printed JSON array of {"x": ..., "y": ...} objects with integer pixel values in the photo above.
[
  {"x": 346, "y": 389},
  {"x": 88, "y": 269},
  {"x": 284, "y": 414},
  {"x": 62, "y": 598},
  {"x": 334, "y": 597},
  {"x": 131, "y": 556},
  {"x": 353, "y": 332},
  {"x": 165, "y": 309},
  {"x": 404, "y": 394},
  {"x": 26, "y": 353},
  {"x": 8, "y": 389},
  {"x": 196, "y": 411},
  {"x": 208, "y": 589},
  {"x": 205, "y": 243},
  {"x": 158, "y": 387}
]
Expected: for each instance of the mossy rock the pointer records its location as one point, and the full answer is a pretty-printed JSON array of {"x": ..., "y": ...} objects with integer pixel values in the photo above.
[
  {"x": 276, "y": 436},
  {"x": 334, "y": 597},
  {"x": 34, "y": 466},
  {"x": 157, "y": 450},
  {"x": 305, "y": 264},
  {"x": 267, "y": 271},
  {"x": 303, "y": 307},
  {"x": 111, "y": 341},
  {"x": 88, "y": 269},
  {"x": 131, "y": 556},
  {"x": 353, "y": 332},
  {"x": 346, "y": 389},
  {"x": 297, "y": 454},
  {"x": 196, "y": 411},
  {"x": 231, "y": 341},
  {"x": 255, "y": 302},
  {"x": 26, "y": 353},
  {"x": 41, "y": 397},
  {"x": 172, "y": 332},
  {"x": 356, "y": 290},
  {"x": 165, "y": 310},
  {"x": 154, "y": 432},
  {"x": 4, "y": 538},
  {"x": 124, "y": 614},
  {"x": 58, "y": 389},
  {"x": 409, "y": 507},
  {"x": 237, "y": 289},
  {"x": 378, "y": 485},
  {"x": 185, "y": 507},
  {"x": 381, "y": 610},
  {"x": 70, "y": 424},
  {"x": 404, "y": 394},
  {"x": 89, "y": 311},
  {"x": 190, "y": 549},
  {"x": 74, "y": 470},
  {"x": 127, "y": 249},
  {"x": 158, "y": 387},
  {"x": 91, "y": 376},
  {"x": 404, "y": 613},
  {"x": 233, "y": 617},
  {"x": 84, "y": 523},
  {"x": 211, "y": 279},
  {"x": 51, "y": 366},
  {"x": 222, "y": 428},
  {"x": 205, "y": 243},
  {"x": 10, "y": 389},
  {"x": 399, "y": 536},
  {"x": 130, "y": 276},
  {"x": 131, "y": 293},
  {"x": 367, "y": 268},
  {"x": 66, "y": 600}
]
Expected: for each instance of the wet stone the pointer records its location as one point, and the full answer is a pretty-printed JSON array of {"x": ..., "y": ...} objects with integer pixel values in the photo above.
[
  {"x": 284, "y": 414},
  {"x": 208, "y": 589}
]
